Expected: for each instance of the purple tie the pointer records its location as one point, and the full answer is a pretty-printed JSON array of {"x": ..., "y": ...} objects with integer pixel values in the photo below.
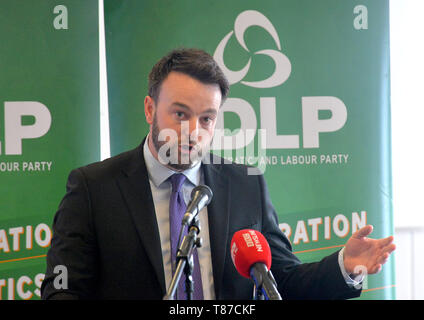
[{"x": 177, "y": 208}]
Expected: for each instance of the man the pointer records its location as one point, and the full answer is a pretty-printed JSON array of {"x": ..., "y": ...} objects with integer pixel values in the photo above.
[{"x": 114, "y": 230}]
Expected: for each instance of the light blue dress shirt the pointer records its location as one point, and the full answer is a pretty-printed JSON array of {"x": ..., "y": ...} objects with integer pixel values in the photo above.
[{"x": 161, "y": 193}]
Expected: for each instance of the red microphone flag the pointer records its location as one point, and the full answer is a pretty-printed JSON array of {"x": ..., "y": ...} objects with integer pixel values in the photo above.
[{"x": 247, "y": 248}]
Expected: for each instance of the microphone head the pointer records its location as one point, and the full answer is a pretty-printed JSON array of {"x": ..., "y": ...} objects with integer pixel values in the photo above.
[
  {"x": 202, "y": 189},
  {"x": 247, "y": 248}
]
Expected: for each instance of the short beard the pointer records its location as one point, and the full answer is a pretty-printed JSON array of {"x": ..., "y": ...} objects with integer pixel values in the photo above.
[{"x": 175, "y": 165}]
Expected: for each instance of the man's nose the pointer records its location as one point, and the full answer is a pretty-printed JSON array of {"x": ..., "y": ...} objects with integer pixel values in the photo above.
[
  {"x": 190, "y": 129},
  {"x": 194, "y": 128}
]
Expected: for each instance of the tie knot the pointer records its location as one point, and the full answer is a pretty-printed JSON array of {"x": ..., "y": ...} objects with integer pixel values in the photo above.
[{"x": 177, "y": 181}]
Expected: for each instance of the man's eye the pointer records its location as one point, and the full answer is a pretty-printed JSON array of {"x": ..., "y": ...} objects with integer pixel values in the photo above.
[
  {"x": 179, "y": 114},
  {"x": 207, "y": 120}
]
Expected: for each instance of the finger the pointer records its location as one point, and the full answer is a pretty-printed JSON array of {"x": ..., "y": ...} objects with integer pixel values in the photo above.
[
  {"x": 375, "y": 269},
  {"x": 383, "y": 259},
  {"x": 378, "y": 268},
  {"x": 363, "y": 232},
  {"x": 390, "y": 248},
  {"x": 386, "y": 241}
]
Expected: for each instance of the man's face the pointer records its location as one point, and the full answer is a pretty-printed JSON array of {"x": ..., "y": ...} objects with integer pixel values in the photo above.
[{"x": 182, "y": 121}]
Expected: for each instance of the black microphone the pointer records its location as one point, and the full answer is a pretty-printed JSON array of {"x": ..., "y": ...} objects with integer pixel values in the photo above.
[{"x": 201, "y": 196}]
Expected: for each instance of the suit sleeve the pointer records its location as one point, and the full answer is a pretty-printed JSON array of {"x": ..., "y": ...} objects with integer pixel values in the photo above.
[
  {"x": 296, "y": 280},
  {"x": 73, "y": 245}
]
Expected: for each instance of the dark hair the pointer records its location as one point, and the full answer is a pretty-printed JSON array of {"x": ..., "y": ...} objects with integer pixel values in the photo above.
[{"x": 193, "y": 62}]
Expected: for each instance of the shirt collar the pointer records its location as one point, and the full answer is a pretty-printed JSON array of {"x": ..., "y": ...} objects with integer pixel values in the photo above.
[{"x": 158, "y": 173}]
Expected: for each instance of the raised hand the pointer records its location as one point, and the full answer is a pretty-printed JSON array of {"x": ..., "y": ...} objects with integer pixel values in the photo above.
[{"x": 369, "y": 253}]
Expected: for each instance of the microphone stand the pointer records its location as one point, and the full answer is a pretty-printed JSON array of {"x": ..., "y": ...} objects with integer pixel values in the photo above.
[
  {"x": 264, "y": 285},
  {"x": 184, "y": 261},
  {"x": 257, "y": 293}
]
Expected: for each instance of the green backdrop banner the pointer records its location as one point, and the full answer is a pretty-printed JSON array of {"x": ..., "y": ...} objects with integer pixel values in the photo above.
[
  {"x": 49, "y": 124},
  {"x": 309, "y": 104}
]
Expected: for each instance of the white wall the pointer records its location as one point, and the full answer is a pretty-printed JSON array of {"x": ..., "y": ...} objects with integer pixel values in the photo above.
[
  {"x": 409, "y": 263},
  {"x": 407, "y": 107}
]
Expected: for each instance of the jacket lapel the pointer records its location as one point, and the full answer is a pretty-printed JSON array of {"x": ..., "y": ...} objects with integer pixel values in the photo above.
[
  {"x": 135, "y": 187},
  {"x": 218, "y": 218}
]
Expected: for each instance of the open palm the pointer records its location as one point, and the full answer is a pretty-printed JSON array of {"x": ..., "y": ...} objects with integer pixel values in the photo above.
[{"x": 366, "y": 252}]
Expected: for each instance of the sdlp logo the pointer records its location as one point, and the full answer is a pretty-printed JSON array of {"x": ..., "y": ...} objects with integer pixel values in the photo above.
[{"x": 312, "y": 125}]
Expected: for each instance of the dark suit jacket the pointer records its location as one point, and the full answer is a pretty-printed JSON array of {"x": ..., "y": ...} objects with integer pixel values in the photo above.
[{"x": 105, "y": 233}]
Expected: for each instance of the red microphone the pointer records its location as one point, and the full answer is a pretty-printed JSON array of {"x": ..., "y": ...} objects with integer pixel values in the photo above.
[
  {"x": 247, "y": 248},
  {"x": 251, "y": 256}
]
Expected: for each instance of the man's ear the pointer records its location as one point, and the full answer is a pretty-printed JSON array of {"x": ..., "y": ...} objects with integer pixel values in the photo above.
[{"x": 149, "y": 109}]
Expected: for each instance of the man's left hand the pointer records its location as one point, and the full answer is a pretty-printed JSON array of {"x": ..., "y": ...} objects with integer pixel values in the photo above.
[{"x": 369, "y": 253}]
